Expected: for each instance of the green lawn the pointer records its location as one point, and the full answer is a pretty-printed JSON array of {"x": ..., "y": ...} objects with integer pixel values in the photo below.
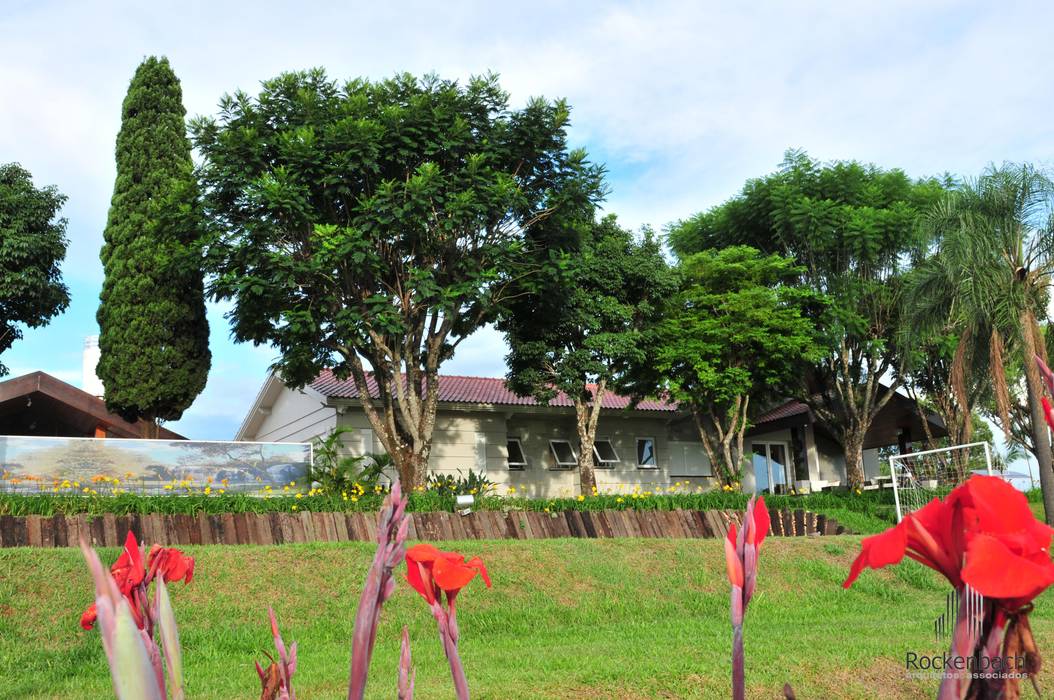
[{"x": 565, "y": 619}]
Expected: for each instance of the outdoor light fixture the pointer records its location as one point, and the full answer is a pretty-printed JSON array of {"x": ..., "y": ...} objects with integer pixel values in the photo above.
[{"x": 464, "y": 503}]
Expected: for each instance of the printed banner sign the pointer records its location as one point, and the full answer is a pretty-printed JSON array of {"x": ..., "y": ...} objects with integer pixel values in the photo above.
[{"x": 32, "y": 464}]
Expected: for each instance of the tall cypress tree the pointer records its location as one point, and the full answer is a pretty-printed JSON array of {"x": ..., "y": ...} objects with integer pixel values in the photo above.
[{"x": 154, "y": 336}]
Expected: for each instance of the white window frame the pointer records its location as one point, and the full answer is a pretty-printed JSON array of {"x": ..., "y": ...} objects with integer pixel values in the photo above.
[
  {"x": 515, "y": 466},
  {"x": 654, "y": 453},
  {"x": 601, "y": 463},
  {"x": 556, "y": 458}
]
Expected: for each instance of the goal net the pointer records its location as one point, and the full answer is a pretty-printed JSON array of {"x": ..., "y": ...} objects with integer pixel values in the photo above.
[{"x": 918, "y": 477}]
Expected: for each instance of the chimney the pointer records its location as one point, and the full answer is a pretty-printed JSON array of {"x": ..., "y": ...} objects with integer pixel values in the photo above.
[{"x": 89, "y": 380}]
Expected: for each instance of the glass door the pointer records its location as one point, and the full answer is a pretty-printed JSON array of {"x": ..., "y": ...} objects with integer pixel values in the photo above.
[{"x": 771, "y": 467}]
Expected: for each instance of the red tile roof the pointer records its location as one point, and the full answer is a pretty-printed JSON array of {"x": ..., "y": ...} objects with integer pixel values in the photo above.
[{"x": 483, "y": 390}]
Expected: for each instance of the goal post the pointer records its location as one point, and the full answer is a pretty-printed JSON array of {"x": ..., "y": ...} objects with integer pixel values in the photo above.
[{"x": 920, "y": 476}]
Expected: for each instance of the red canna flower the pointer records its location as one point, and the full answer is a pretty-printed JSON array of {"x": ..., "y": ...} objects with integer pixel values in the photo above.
[
  {"x": 983, "y": 530},
  {"x": 128, "y": 569},
  {"x": 89, "y": 617},
  {"x": 132, "y": 578},
  {"x": 753, "y": 536},
  {"x": 170, "y": 563},
  {"x": 430, "y": 571}
]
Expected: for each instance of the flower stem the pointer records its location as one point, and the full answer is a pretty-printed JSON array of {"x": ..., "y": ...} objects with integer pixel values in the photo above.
[
  {"x": 457, "y": 671},
  {"x": 738, "y": 678}
]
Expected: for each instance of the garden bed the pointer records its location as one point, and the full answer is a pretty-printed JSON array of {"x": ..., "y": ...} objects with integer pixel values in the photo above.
[{"x": 108, "y": 529}]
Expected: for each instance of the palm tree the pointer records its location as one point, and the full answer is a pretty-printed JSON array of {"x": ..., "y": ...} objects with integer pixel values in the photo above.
[{"x": 990, "y": 278}]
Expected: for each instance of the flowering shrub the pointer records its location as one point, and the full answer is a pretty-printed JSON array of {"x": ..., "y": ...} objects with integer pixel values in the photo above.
[
  {"x": 132, "y": 579},
  {"x": 128, "y": 621},
  {"x": 982, "y": 535},
  {"x": 741, "y": 559},
  {"x": 432, "y": 573}
]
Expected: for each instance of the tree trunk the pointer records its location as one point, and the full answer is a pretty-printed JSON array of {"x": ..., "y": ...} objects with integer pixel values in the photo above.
[
  {"x": 412, "y": 468},
  {"x": 586, "y": 437},
  {"x": 150, "y": 429},
  {"x": 1040, "y": 431},
  {"x": 854, "y": 456}
]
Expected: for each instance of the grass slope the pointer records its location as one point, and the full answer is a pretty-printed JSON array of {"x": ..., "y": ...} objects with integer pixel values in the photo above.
[{"x": 565, "y": 619}]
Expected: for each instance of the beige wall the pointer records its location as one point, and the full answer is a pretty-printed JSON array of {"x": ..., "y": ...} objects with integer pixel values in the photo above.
[
  {"x": 295, "y": 417},
  {"x": 477, "y": 440},
  {"x": 831, "y": 459}
]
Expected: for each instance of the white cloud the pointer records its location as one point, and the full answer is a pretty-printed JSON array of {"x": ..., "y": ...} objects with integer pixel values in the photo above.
[{"x": 683, "y": 101}]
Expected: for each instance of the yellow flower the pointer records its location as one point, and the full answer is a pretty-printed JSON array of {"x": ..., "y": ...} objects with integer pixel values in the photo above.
[
  {"x": 354, "y": 499},
  {"x": 295, "y": 506},
  {"x": 76, "y": 484},
  {"x": 285, "y": 488},
  {"x": 581, "y": 497},
  {"x": 85, "y": 489},
  {"x": 208, "y": 490},
  {"x": 168, "y": 487},
  {"x": 344, "y": 496},
  {"x": 620, "y": 499},
  {"x": 299, "y": 495},
  {"x": 292, "y": 483},
  {"x": 546, "y": 510},
  {"x": 512, "y": 490},
  {"x": 223, "y": 490}
]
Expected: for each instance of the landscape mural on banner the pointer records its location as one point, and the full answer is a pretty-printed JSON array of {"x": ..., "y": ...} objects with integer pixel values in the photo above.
[{"x": 31, "y": 464}]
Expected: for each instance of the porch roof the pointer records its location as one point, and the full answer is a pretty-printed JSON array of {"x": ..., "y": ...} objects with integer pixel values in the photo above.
[{"x": 899, "y": 414}]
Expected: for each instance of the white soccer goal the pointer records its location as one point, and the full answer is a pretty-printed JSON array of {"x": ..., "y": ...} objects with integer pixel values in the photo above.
[{"x": 920, "y": 476}]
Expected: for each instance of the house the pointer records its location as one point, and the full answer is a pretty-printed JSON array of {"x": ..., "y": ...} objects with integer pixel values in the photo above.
[
  {"x": 40, "y": 405},
  {"x": 516, "y": 441}
]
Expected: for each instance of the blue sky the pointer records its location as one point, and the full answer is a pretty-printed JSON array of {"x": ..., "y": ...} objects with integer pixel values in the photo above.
[{"x": 682, "y": 101}]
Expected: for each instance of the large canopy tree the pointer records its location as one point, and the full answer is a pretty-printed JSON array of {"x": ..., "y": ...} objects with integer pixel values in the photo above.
[
  {"x": 851, "y": 227},
  {"x": 154, "y": 336},
  {"x": 997, "y": 250},
  {"x": 738, "y": 335},
  {"x": 373, "y": 226},
  {"x": 581, "y": 330},
  {"x": 32, "y": 246},
  {"x": 948, "y": 355}
]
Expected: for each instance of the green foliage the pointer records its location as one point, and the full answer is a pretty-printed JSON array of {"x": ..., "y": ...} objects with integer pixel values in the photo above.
[
  {"x": 474, "y": 484},
  {"x": 153, "y": 332},
  {"x": 738, "y": 335},
  {"x": 32, "y": 245},
  {"x": 331, "y": 467},
  {"x": 588, "y": 324},
  {"x": 1001, "y": 223},
  {"x": 336, "y": 472},
  {"x": 852, "y": 228},
  {"x": 378, "y": 221}
]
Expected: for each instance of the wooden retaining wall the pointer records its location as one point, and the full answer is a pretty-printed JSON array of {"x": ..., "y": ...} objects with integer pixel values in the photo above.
[{"x": 277, "y": 528}]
